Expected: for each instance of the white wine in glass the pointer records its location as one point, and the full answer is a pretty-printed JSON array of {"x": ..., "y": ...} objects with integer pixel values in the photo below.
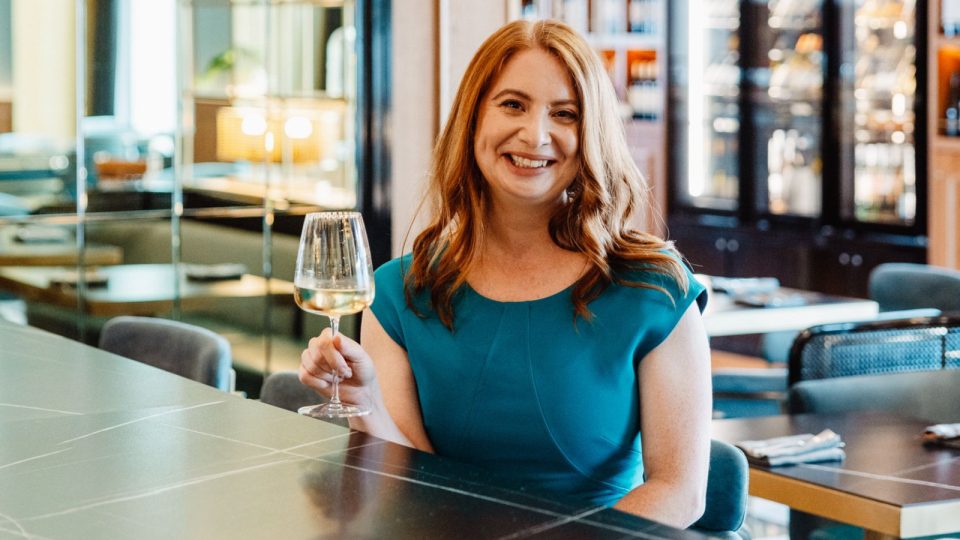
[{"x": 334, "y": 277}]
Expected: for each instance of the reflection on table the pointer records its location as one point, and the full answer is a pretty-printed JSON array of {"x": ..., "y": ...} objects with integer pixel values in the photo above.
[
  {"x": 98, "y": 446},
  {"x": 136, "y": 289},
  {"x": 889, "y": 483}
]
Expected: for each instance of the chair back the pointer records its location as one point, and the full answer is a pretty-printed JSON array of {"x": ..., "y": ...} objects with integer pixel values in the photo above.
[
  {"x": 726, "y": 489},
  {"x": 180, "y": 348},
  {"x": 283, "y": 389},
  {"x": 850, "y": 349},
  {"x": 897, "y": 286},
  {"x": 930, "y": 395}
]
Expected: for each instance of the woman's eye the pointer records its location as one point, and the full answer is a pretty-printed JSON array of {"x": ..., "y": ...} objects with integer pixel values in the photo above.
[
  {"x": 512, "y": 104},
  {"x": 568, "y": 115}
]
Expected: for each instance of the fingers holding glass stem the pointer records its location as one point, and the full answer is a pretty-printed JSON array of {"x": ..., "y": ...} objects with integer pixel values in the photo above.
[{"x": 335, "y": 408}]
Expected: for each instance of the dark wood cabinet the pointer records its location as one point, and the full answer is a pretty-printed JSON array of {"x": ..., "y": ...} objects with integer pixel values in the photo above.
[
  {"x": 735, "y": 252},
  {"x": 843, "y": 267},
  {"x": 810, "y": 260}
]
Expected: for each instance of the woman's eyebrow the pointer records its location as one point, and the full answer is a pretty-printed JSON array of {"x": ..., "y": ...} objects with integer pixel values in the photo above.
[
  {"x": 508, "y": 91},
  {"x": 525, "y": 96}
]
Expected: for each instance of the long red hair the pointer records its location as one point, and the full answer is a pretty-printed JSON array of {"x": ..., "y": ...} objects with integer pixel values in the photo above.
[{"x": 606, "y": 194}]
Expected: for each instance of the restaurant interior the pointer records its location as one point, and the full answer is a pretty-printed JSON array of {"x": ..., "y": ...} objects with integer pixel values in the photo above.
[{"x": 158, "y": 159}]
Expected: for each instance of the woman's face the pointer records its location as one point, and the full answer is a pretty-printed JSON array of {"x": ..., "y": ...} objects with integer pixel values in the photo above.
[{"x": 528, "y": 126}]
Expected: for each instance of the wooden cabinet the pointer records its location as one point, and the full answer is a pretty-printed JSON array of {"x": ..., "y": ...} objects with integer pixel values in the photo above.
[
  {"x": 842, "y": 267},
  {"x": 803, "y": 260},
  {"x": 734, "y": 252}
]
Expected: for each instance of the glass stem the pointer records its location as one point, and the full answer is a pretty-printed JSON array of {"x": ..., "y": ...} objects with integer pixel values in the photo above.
[{"x": 335, "y": 396}]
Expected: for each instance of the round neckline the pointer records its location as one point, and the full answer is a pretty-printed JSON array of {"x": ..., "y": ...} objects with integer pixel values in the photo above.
[{"x": 553, "y": 296}]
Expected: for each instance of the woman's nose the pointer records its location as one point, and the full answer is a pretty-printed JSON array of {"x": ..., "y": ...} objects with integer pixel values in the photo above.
[{"x": 536, "y": 130}]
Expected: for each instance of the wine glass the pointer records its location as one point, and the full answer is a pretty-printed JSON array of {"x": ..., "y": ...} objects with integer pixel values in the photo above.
[{"x": 334, "y": 277}]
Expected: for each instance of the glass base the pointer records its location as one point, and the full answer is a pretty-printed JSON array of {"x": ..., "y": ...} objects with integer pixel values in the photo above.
[{"x": 333, "y": 410}]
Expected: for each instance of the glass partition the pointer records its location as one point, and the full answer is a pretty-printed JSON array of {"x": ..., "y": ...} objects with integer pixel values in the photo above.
[{"x": 191, "y": 136}]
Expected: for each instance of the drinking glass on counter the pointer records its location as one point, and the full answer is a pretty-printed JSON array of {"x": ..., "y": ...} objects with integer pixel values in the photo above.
[{"x": 334, "y": 277}]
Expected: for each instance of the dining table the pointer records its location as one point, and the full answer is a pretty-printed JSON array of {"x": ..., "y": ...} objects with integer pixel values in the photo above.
[
  {"x": 136, "y": 289},
  {"x": 93, "y": 446},
  {"x": 729, "y": 314},
  {"x": 57, "y": 252},
  {"x": 889, "y": 483}
]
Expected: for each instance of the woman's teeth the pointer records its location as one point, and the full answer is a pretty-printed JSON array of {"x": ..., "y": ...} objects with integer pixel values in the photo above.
[{"x": 527, "y": 163}]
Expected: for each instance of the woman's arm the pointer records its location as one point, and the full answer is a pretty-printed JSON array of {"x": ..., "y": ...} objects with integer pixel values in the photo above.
[
  {"x": 386, "y": 384},
  {"x": 676, "y": 403},
  {"x": 399, "y": 399}
]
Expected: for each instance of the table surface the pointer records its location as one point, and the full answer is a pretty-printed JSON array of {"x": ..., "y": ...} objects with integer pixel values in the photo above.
[
  {"x": 93, "y": 445},
  {"x": 889, "y": 482},
  {"x": 724, "y": 317},
  {"x": 13, "y": 253},
  {"x": 134, "y": 289}
]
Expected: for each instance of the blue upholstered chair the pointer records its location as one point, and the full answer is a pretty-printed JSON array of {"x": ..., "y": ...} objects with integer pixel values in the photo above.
[
  {"x": 283, "y": 389},
  {"x": 897, "y": 286},
  {"x": 726, "y": 492},
  {"x": 910, "y": 366},
  {"x": 930, "y": 395},
  {"x": 180, "y": 348},
  {"x": 871, "y": 348}
]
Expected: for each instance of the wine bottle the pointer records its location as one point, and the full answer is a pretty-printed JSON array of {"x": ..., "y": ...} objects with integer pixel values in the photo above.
[{"x": 953, "y": 102}]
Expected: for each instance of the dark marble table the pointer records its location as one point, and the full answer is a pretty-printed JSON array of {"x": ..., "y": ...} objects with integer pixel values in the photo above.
[
  {"x": 889, "y": 482},
  {"x": 94, "y": 446}
]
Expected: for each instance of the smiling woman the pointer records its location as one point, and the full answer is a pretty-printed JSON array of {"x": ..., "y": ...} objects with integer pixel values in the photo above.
[{"x": 529, "y": 286}]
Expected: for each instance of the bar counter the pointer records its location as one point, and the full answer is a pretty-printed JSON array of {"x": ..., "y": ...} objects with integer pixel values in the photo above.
[{"x": 93, "y": 445}]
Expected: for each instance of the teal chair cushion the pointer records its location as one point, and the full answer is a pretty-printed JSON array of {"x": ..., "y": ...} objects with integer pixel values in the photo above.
[
  {"x": 931, "y": 395},
  {"x": 726, "y": 490}
]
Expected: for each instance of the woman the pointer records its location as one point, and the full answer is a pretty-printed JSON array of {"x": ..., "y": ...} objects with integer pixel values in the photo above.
[{"x": 532, "y": 331}]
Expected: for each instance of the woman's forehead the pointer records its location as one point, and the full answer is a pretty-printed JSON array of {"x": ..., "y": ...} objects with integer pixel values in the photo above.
[{"x": 537, "y": 73}]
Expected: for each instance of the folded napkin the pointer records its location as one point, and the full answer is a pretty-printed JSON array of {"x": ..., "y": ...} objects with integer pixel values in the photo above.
[
  {"x": 771, "y": 300},
  {"x": 735, "y": 286},
  {"x": 806, "y": 448},
  {"x": 42, "y": 235},
  {"x": 93, "y": 277},
  {"x": 942, "y": 435},
  {"x": 214, "y": 272}
]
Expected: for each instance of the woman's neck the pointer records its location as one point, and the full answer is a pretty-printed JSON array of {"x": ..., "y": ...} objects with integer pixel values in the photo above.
[{"x": 518, "y": 233}]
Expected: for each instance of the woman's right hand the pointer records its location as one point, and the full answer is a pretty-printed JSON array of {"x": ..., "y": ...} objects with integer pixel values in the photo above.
[{"x": 325, "y": 355}]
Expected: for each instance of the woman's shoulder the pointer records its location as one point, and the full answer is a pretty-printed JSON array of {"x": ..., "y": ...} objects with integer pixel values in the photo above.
[
  {"x": 390, "y": 277},
  {"x": 394, "y": 270},
  {"x": 667, "y": 273},
  {"x": 662, "y": 268}
]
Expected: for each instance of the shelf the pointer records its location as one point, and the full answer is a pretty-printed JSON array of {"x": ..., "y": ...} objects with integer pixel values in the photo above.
[
  {"x": 950, "y": 144},
  {"x": 881, "y": 23},
  {"x": 722, "y": 23},
  {"x": 626, "y": 40},
  {"x": 944, "y": 41}
]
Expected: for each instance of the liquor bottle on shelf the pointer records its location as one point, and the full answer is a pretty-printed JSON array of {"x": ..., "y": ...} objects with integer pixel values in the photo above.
[
  {"x": 953, "y": 106},
  {"x": 576, "y": 13},
  {"x": 950, "y": 17},
  {"x": 607, "y": 16},
  {"x": 643, "y": 16}
]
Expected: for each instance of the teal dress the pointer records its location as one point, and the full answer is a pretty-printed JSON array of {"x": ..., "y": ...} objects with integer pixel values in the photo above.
[{"x": 520, "y": 390}]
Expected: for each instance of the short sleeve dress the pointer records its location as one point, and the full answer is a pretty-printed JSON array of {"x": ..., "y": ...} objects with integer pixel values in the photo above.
[{"x": 519, "y": 389}]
